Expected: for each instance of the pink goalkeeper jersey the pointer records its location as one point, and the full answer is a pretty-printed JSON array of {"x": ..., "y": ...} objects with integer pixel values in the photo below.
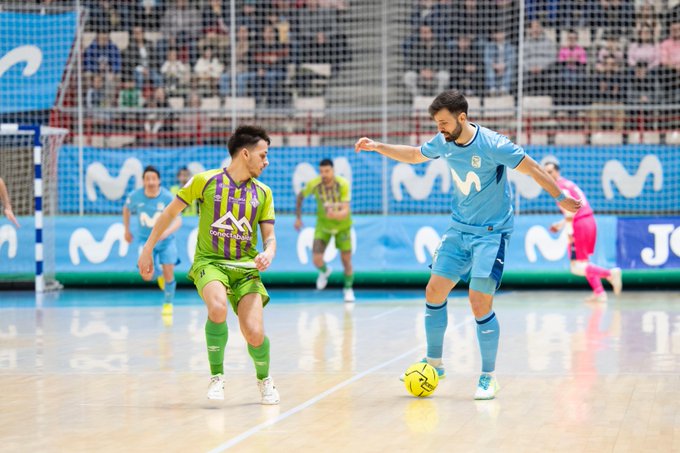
[{"x": 571, "y": 189}]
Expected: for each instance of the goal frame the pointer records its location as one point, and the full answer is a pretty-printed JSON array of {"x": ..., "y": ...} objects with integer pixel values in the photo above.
[{"x": 37, "y": 131}]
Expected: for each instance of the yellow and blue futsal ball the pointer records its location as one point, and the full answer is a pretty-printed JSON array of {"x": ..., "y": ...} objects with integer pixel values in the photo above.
[{"x": 421, "y": 379}]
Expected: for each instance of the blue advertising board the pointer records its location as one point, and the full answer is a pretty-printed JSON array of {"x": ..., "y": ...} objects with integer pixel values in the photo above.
[
  {"x": 627, "y": 179},
  {"x": 34, "y": 51},
  {"x": 648, "y": 242},
  {"x": 381, "y": 243}
]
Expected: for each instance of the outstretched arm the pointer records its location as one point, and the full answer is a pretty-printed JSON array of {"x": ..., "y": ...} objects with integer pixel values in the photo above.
[
  {"x": 298, "y": 210},
  {"x": 530, "y": 167},
  {"x": 168, "y": 215},
  {"x": 6, "y": 204},
  {"x": 401, "y": 153}
]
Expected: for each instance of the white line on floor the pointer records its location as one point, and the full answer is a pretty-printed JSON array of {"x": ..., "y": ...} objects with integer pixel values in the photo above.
[{"x": 310, "y": 402}]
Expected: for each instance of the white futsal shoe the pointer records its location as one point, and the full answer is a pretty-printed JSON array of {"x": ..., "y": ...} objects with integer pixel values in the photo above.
[
  {"x": 348, "y": 295},
  {"x": 268, "y": 391},
  {"x": 216, "y": 387},
  {"x": 615, "y": 280},
  {"x": 487, "y": 387},
  {"x": 595, "y": 298},
  {"x": 322, "y": 279}
]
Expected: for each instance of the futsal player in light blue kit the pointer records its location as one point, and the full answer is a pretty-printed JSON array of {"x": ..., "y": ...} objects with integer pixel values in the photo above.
[
  {"x": 148, "y": 203},
  {"x": 473, "y": 247}
]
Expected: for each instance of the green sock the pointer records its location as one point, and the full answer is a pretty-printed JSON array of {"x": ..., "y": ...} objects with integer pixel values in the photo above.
[
  {"x": 323, "y": 268},
  {"x": 260, "y": 357},
  {"x": 216, "y": 335},
  {"x": 349, "y": 280}
]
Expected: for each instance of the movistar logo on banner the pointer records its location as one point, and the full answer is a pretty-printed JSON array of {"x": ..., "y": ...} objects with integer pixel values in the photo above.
[{"x": 34, "y": 50}]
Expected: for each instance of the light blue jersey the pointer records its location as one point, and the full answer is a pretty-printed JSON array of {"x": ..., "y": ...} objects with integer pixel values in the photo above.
[
  {"x": 481, "y": 199},
  {"x": 147, "y": 211}
]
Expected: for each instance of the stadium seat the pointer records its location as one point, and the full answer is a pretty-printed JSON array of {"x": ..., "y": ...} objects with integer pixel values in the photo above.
[
  {"x": 499, "y": 106},
  {"x": 570, "y": 138},
  {"x": 119, "y": 141},
  {"x": 304, "y": 105},
  {"x": 319, "y": 69},
  {"x": 537, "y": 106},
  {"x": 474, "y": 105},
  {"x": 88, "y": 38},
  {"x": 212, "y": 104},
  {"x": 121, "y": 39},
  {"x": 153, "y": 36},
  {"x": 584, "y": 38},
  {"x": 535, "y": 138},
  {"x": 421, "y": 103},
  {"x": 304, "y": 140},
  {"x": 317, "y": 77},
  {"x": 606, "y": 138},
  {"x": 648, "y": 138},
  {"x": 673, "y": 138},
  {"x": 176, "y": 102},
  {"x": 499, "y": 112},
  {"x": 97, "y": 141},
  {"x": 276, "y": 140},
  {"x": 242, "y": 104}
]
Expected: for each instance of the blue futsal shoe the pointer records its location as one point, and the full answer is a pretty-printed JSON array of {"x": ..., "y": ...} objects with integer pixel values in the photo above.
[{"x": 441, "y": 372}]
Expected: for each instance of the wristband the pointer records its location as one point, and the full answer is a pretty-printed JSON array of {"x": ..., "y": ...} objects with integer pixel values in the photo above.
[{"x": 560, "y": 197}]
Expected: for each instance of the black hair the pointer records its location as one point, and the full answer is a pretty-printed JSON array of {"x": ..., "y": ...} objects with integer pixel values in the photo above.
[
  {"x": 181, "y": 169},
  {"x": 152, "y": 169},
  {"x": 554, "y": 164},
  {"x": 245, "y": 136},
  {"x": 326, "y": 163},
  {"x": 452, "y": 100}
]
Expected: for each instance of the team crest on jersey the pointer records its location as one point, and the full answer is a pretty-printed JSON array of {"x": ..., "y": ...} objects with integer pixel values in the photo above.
[
  {"x": 476, "y": 161},
  {"x": 254, "y": 203},
  {"x": 160, "y": 206}
]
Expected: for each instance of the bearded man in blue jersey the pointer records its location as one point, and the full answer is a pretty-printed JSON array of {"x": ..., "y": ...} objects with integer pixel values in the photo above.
[{"x": 473, "y": 247}]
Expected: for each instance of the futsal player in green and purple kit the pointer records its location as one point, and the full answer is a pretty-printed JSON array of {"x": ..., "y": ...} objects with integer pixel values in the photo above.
[
  {"x": 333, "y": 219},
  {"x": 473, "y": 247},
  {"x": 227, "y": 264}
]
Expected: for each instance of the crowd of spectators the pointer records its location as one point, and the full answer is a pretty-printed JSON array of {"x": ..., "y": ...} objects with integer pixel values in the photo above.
[
  {"x": 578, "y": 51},
  {"x": 183, "y": 48}
]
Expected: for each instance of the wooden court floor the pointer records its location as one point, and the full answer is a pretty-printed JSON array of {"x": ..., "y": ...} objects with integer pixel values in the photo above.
[{"x": 99, "y": 371}]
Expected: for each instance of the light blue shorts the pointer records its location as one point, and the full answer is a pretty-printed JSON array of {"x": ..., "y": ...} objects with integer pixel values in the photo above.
[
  {"x": 466, "y": 256},
  {"x": 165, "y": 252}
]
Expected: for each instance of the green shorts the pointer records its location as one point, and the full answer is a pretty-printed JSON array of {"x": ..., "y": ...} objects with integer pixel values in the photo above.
[
  {"x": 239, "y": 281},
  {"x": 343, "y": 238}
]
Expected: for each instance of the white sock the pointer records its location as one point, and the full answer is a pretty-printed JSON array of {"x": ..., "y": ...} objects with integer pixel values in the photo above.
[{"x": 434, "y": 362}]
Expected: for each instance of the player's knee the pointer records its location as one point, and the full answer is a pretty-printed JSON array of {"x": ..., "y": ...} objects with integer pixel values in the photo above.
[
  {"x": 217, "y": 309},
  {"x": 578, "y": 268},
  {"x": 253, "y": 334},
  {"x": 318, "y": 260},
  {"x": 434, "y": 293}
]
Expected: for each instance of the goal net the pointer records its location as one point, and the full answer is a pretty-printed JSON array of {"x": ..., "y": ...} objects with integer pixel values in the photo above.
[{"x": 28, "y": 166}]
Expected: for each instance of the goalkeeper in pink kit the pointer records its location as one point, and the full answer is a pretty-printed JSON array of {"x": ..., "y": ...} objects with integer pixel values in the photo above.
[{"x": 582, "y": 232}]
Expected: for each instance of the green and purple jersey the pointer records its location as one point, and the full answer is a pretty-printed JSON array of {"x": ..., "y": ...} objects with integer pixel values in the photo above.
[
  {"x": 229, "y": 214},
  {"x": 329, "y": 198}
]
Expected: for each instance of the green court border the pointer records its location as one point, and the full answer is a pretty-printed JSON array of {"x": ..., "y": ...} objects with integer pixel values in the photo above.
[{"x": 642, "y": 279}]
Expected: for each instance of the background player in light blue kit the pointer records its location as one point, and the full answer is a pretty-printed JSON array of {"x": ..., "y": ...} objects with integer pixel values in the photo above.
[
  {"x": 473, "y": 247},
  {"x": 148, "y": 203}
]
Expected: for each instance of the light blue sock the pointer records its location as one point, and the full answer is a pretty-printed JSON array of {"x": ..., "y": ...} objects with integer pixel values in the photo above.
[
  {"x": 169, "y": 291},
  {"x": 488, "y": 332},
  {"x": 436, "y": 320}
]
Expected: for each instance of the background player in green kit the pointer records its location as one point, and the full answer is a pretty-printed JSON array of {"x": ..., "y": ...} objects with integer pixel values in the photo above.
[
  {"x": 227, "y": 265},
  {"x": 333, "y": 218}
]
